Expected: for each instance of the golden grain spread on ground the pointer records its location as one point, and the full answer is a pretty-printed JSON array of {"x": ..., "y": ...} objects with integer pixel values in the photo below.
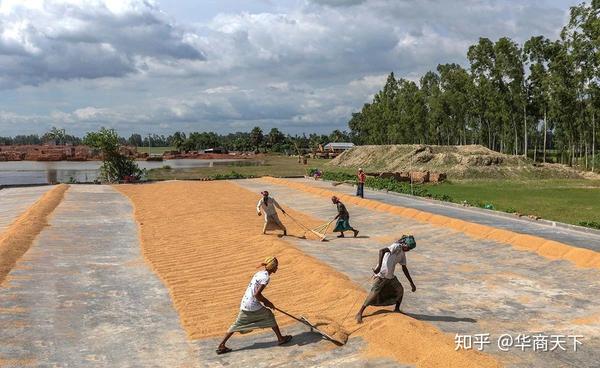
[{"x": 203, "y": 240}]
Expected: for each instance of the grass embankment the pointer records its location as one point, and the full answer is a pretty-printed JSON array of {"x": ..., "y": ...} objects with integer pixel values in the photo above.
[
  {"x": 573, "y": 201},
  {"x": 269, "y": 165}
]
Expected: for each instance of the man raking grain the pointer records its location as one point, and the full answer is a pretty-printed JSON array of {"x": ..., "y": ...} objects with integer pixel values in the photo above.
[
  {"x": 386, "y": 289},
  {"x": 255, "y": 308},
  {"x": 267, "y": 206}
]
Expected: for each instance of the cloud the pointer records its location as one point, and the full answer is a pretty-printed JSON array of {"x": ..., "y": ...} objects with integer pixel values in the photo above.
[
  {"x": 45, "y": 40},
  {"x": 338, "y": 2},
  {"x": 304, "y": 67}
]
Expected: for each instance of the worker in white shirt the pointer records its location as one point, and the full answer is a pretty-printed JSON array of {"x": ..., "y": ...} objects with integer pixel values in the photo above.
[
  {"x": 267, "y": 206},
  {"x": 386, "y": 289},
  {"x": 255, "y": 308}
]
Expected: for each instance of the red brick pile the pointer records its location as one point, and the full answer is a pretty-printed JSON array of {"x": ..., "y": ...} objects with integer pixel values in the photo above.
[{"x": 47, "y": 153}]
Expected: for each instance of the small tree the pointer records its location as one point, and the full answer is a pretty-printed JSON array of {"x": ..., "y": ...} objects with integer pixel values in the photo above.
[
  {"x": 115, "y": 165},
  {"x": 256, "y": 137},
  {"x": 56, "y": 135}
]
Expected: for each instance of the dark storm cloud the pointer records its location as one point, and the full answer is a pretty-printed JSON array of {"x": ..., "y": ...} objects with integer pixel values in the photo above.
[{"x": 84, "y": 39}]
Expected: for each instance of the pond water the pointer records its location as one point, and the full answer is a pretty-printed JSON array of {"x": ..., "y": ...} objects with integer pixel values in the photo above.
[{"x": 36, "y": 172}]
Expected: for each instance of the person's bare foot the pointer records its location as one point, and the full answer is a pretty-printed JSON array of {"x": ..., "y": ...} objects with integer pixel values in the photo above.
[
  {"x": 340, "y": 236},
  {"x": 358, "y": 318},
  {"x": 222, "y": 349},
  {"x": 355, "y": 233},
  {"x": 284, "y": 340}
]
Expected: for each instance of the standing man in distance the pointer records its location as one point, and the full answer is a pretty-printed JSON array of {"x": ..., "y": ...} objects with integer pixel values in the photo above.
[{"x": 360, "y": 188}]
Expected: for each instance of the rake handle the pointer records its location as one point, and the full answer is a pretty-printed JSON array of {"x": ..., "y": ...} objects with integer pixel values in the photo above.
[{"x": 289, "y": 315}]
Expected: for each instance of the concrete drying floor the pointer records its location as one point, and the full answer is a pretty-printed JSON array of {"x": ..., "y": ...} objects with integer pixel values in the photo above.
[
  {"x": 15, "y": 201},
  {"x": 82, "y": 296},
  {"x": 464, "y": 285}
]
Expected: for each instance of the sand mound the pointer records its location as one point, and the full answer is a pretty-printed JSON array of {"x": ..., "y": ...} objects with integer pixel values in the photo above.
[
  {"x": 19, "y": 236},
  {"x": 471, "y": 161},
  {"x": 203, "y": 240}
]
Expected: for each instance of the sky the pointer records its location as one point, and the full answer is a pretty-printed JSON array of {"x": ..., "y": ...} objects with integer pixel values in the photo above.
[{"x": 301, "y": 66}]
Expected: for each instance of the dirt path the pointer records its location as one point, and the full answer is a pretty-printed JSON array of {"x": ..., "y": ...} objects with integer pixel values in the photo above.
[{"x": 203, "y": 239}]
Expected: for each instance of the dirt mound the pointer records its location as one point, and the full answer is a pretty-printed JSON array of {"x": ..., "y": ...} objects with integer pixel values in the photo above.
[{"x": 471, "y": 161}]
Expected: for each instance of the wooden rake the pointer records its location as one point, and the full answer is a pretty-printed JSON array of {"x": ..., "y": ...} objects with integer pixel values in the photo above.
[
  {"x": 317, "y": 233},
  {"x": 313, "y": 328}
]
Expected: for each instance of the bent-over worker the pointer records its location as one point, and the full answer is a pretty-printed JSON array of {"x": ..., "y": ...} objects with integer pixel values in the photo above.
[
  {"x": 254, "y": 308},
  {"x": 386, "y": 289},
  {"x": 343, "y": 219},
  {"x": 267, "y": 206}
]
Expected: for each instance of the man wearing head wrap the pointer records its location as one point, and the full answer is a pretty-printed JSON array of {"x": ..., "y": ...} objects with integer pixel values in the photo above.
[
  {"x": 267, "y": 206},
  {"x": 343, "y": 219},
  {"x": 386, "y": 289},
  {"x": 254, "y": 308},
  {"x": 360, "y": 187}
]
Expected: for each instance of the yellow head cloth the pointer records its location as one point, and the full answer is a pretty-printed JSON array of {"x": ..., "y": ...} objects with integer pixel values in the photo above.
[{"x": 270, "y": 263}]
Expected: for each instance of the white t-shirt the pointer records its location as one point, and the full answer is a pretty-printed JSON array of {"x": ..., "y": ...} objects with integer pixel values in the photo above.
[
  {"x": 249, "y": 301},
  {"x": 268, "y": 208},
  {"x": 390, "y": 259}
]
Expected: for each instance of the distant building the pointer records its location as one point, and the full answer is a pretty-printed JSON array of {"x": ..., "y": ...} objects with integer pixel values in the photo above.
[
  {"x": 338, "y": 147},
  {"x": 332, "y": 149},
  {"x": 216, "y": 150}
]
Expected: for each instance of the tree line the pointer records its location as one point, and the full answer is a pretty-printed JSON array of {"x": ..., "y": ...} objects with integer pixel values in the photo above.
[
  {"x": 254, "y": 140},
  {"x": 515, "y": 99},
  {"x": 55, "y": 136}
]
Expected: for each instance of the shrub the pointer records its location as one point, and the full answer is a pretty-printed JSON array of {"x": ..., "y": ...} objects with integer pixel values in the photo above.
[
  {"x": 590, "y": 224},
  {"x": 388, "y": 184},
  {"x": 231, "y": 175},
  {"x": 338, "y": 176},
  {"x": 115, "y": 166}
]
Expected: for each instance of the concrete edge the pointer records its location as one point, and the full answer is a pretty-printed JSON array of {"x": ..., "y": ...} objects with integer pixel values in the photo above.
[{"x": 8, "y": 186}]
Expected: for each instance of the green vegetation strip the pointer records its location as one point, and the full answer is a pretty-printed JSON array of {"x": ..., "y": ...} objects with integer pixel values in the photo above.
[{"x": 574, "y": 202}]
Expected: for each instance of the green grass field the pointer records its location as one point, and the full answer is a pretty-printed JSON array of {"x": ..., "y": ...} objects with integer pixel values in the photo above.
[{"x": 566, "y": 200}]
